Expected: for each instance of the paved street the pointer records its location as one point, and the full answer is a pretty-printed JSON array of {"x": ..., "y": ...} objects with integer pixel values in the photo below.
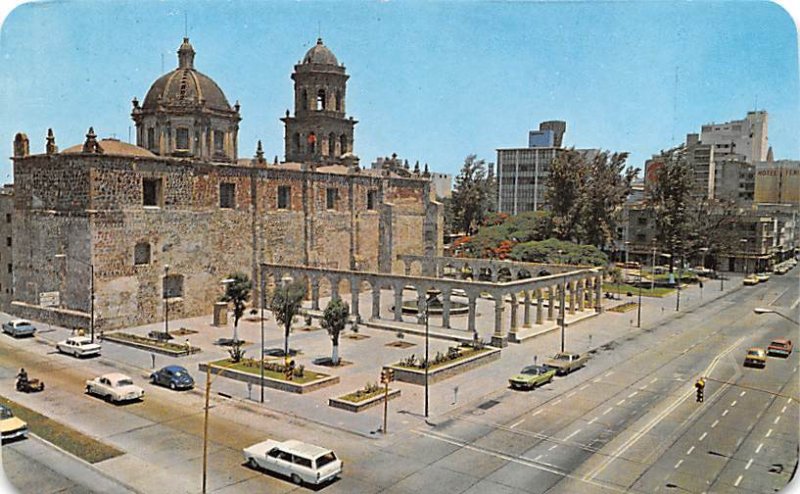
[{"x": 627, "y": 422}]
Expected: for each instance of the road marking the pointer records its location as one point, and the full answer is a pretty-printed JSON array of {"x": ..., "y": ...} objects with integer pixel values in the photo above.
[
  {"x": 537, "y": 458},
  {"x": 714, "y": 424},
  {"x": 793, "y": 370},
  {"x": 783, "y": 409},
  {"x": 743, "y": 393},
  {"x": 725, "y": 412},
  {"x": 642, "y": 388},
  {"x": 608, "y": 410},
  {"x": 653, "y": 380},
  {"x": 633, "y": 394},
  {"x": 733, "y": 403},
  {"x": 738, "y": 479},
  {"x": 789, "y": 400},
  {"x": 769, "y": 433},
  {"x": 761, "y": 445},
  {"x": 537, "y": 412},
  {"x": 620, "y": 402},
  {"x": 609, "y": 373},
  {"x": 678, "y": 464},
  {"x": 739, "y": 441},
  {"x": 776, "y": 419},
  {"x": 593, "y": 420},
  {"x": 516, "y": 424},
  {"x": 747, "y": 467},
  {"x": 553, "y": 447},
  {"x": 557, "y": 402},
  {"x": 570, "y": 436},
  {"x": 597, "y": 379},
  {"x": 702, "y": 436},
  {"x": 690, "y": 450},
  {"x": 583, "y": 387}
]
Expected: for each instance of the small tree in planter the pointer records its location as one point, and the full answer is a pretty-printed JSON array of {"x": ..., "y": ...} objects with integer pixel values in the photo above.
[
  {"x": 237, "y": 291},
  {"x": 285, "y": 305},
  {"x": 236, "y": 352},
  {"x": 333, "y": 321}
]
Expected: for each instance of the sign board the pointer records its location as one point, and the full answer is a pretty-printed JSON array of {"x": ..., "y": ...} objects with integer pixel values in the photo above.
[{"x": 49, "y": 299}]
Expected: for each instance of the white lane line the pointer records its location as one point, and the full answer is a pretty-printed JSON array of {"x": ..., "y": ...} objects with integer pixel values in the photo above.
[
  {"x": 793, "y": 370},
  {"x": 725, "y": 412},
  {"x": 609, "y": 373},
  {"x": 570, "y": 395},
  {"x": 516, "y": 423},
  {"x": 769, "y": 433},
  {"x": 739, "y": 441},
  {"x": 608, "y": 410},
  {"x": 702, "y": 436},
  {"x": 537, "y": 412},
  {"x": 537, "y": 458},
  {"x": 570, "y": 436},
  {"x": 583, "y": 387},
  {"x": 597, "y": 379},
  {"x": 593, "y": 420},
  {"x": 760, "y": 445},
  {"x": 678, "y": 464},
  {"x": 642, "y": 388},
  {"x": 654, "y": 380},
  {"x": 776, "y": 419},
  {"x": 743, "y": 393},
  {"x": 733, "y": 403},
  {"x": 789, "y": 400},
  {"x": 783, "y": 409},
  {"x": 738, "y": 480},
  {"x": 689, "y": 451},
  {"x": 553, "y": 447},
  {"x": 620, "y": 402},
  {"x": 714, "y": 424},
  {"x": 556, "y": 402},
  {"x": 747, "y": 467},
  {"x": 633, "y": 394}
]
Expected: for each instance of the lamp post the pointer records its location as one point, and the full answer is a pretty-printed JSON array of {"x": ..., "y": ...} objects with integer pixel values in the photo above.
[
  {"x": 166, "y": 302},
  {"x": 704, "y": 250},
  {"x": 764, "y": 310},
  {"x": 744, "y": 256},
  {"x": 427, "y": 339},
  {"x": 653, "y": 271},
  {"x": 285, "y": 282},
  {"x": 263, "y": 302},
  {"x": 91, "y": 291}
]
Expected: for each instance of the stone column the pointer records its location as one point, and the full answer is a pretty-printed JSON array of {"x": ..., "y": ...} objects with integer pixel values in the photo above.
[
  {"x": 498, "y": 339},
  {"x": 398, "y": 302},
  {"x": 589, "y": 298},
  {"x": 562, "y": 298},
  {"x": 334, "y": 288},
  {"x": 354, "y": 292},
  {"x": 526, "y": 315},
  {"x": 581, "y": 295},
  {"x": 471, "y": 317},
  {"x": 421, "y": 307},
  {"x": 446, "y": 304},
  {"x": 315, "y": 294},
  {"x": 551, "y": 302},
  {"x": 539, "y": 306},
  {"x": 514, "y": 304},
  {"x": 572, "y": 297},
  {"x": 598, "y": 294},
  {"x": 376, "y": 302}
]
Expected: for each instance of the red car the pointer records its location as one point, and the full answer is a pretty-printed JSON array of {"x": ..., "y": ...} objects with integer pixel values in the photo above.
[{"x": 780, "y": 347}]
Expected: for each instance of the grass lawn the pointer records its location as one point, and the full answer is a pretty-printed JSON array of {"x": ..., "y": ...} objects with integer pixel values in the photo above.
[
  {"x": 63, "y": 436},
  {"x": 646, "y": 292},
  {"x": 465, "y": 353},
  {"x": 308, "y": 375},
  {"x": 360, "y": 395}
]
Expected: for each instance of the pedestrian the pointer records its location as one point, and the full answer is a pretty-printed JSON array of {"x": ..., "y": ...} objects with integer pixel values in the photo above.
[
  {"x": 188, "y": 345},
  {"x": 455, "y": 394}
]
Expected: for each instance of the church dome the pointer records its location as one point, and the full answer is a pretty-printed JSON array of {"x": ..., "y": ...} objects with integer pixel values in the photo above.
[
  {"x": 185, "y": 86},
  {"x": 320, "y": 54}
]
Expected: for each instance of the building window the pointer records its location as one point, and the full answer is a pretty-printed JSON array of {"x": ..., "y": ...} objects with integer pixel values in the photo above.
[
  {"x": 141, "y": 254},
  {"x": 219, "y": 140},
  {"x": 331, "y": 196},
  {"x": 332, "y": 144},
  {"x": 10, "y": 267},
  {"x": 312, "y": 143},
  {"x": 173, "y": 286},
  {"x": 182, "y": 139},
  {"x": 151, "y": 192},
  {"x": 371, "y": 199},
  {"x": 284, "y": 197},
  {"x": 343, "y": 145},
  {"x": 338, "y": 101},
  {"x": 227, "y": 196},
  {"x": 320, "y": 99},
  {"x": 8, "y": 241},
  {"x": 296, "y": 142},
  {"x": 151, "y": 138},
  {"x": 8, "y": 217},
  {"x": 304, "y": 100}
]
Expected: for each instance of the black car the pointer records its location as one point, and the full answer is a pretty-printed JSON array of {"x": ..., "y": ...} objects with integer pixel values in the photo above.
[{"x": 173, "y": 376}]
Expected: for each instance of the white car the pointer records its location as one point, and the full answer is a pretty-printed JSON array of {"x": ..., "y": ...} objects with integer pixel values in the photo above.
[
  {"x": 78, "y": 346},
  {"x": 300, "y": 461},
  {"x": 114, "y": 387}
]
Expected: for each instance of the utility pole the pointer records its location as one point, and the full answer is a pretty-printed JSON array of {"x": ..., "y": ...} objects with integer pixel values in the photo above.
[{"x": 205, "y": 427}]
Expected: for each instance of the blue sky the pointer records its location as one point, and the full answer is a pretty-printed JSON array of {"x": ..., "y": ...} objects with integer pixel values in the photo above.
[{"x": 431, "y": 81}]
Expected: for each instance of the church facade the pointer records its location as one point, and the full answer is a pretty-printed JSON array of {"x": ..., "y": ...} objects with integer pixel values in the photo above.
[{"x": 128, "y": 232}]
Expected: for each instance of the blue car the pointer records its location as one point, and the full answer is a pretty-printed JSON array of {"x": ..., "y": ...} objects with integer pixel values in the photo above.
[
  {"x": 173, "y": 376},
  {"x": 19, "y": 327}
]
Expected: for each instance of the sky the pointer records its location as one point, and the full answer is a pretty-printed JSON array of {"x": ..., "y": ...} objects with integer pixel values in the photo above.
[{"x": 431, "y": 81}]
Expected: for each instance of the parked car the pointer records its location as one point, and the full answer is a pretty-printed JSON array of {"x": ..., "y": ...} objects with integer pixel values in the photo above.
[
  {"x": 750, "y": 280},
  {"x": 114, "y": 387},
  {"x": 294, "y": 459},
  {"x": 532, "y": 376},
  {"x": 78, "y": 346},
  {"x": 173, "y": 376},
  {"x": 11, "y": 427},
  {"x": 564, "y": 363},
  {"x": 756, "y": 357},
  {"x": 780, "y": 347},
  {"x": 19, "y": 327}
]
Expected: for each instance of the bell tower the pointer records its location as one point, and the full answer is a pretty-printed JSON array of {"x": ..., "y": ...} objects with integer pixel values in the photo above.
[{"x": 318, "y": 131}]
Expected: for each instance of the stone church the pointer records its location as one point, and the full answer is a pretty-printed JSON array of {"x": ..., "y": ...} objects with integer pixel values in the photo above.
[{"x": 127, "y": 231}]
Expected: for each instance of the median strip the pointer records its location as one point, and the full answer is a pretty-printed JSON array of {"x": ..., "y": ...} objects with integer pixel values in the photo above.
[{"x": 63, "y": 436}]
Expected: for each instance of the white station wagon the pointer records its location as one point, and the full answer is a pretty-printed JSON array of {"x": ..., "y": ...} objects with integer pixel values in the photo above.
[
  {"x": 300, "y": 461},
  {"x": 114, "y": 387},
  {"x": 78, "y": 346}
]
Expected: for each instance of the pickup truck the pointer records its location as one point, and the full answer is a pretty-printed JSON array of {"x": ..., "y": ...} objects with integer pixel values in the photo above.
[{"x": 565, "y": 362}]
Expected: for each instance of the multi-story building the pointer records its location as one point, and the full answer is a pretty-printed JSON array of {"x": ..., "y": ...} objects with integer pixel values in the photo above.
[
  {"x": 777, "y": 182},
  {"x": 747, "y": 137},
  {"x": 157, "y": 229},
  {"x": 6, "y": 246}
]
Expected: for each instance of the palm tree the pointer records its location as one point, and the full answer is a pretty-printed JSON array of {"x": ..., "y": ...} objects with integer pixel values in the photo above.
[
  {"x": 237, "y": 291},
  {"x": 333, "y": 320},
  {"x": 285, "y": 304}
]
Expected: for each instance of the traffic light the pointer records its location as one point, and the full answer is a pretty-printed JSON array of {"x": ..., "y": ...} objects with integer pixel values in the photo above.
[
  {"x": 387, "y": 376},
  {"x": 700, "y": 387}
]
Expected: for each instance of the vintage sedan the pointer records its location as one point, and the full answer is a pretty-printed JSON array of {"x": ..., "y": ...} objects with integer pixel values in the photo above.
[
  {"x": 532, "y": 376},
  {"x": 564, "y": 362},
  {"x": 114, "y": 387},
  {"x": 19, "y": 327},
  {"x": 756, "y": 357},
  {"x": 750, "y": 280},
  {"x": 78, "y": 346},
  {"x": 299, "y": 461},
  {"x": 11, "y": 427},
  {"x": 780, "y": 347},
  {"x": 173, "y": 376}
]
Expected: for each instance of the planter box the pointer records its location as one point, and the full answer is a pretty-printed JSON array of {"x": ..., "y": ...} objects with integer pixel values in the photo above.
[
  {"x": 150, "y": 348},
  {"x": 360, "y": 406},
  {"x": 288, "y": 386},
  {"x": 417, "y": 376}
]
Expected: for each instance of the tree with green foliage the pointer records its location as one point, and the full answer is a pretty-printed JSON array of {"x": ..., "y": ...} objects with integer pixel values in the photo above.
[
  {"x": 501, "y": 230},
  {"x": 564, "y": 193},
  {"x": 285, "y": 304},
  {"x": 333, "y": 321},
  {"x": 471, "y": 197},
  {"x": 554, "y": 251},
  {"x": 237, "y": 292}
]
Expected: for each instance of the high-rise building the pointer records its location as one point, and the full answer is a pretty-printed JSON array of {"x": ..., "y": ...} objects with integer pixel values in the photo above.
[{"x": 747, "y": 137}]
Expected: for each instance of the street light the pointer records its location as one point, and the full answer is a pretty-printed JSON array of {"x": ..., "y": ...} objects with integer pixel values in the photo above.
[
  {"x": 427, "y": 339},
  {"x": 263, "y": 302},
  {"x": 166, "y": 301},
  {"x": 703, "y": 250},
  {"x": 764, "y": 310},
  {"x": 744, "y": 255},
  {"x": 91, "y": 290},
  {"x": 225, "y": 284}
]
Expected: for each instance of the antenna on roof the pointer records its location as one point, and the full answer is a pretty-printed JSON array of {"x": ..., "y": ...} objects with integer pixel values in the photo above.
[
  {"x": 129, "y": 134},
  {"x": 319, "y": 29},
  {"x": 185, "y": 24}
]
